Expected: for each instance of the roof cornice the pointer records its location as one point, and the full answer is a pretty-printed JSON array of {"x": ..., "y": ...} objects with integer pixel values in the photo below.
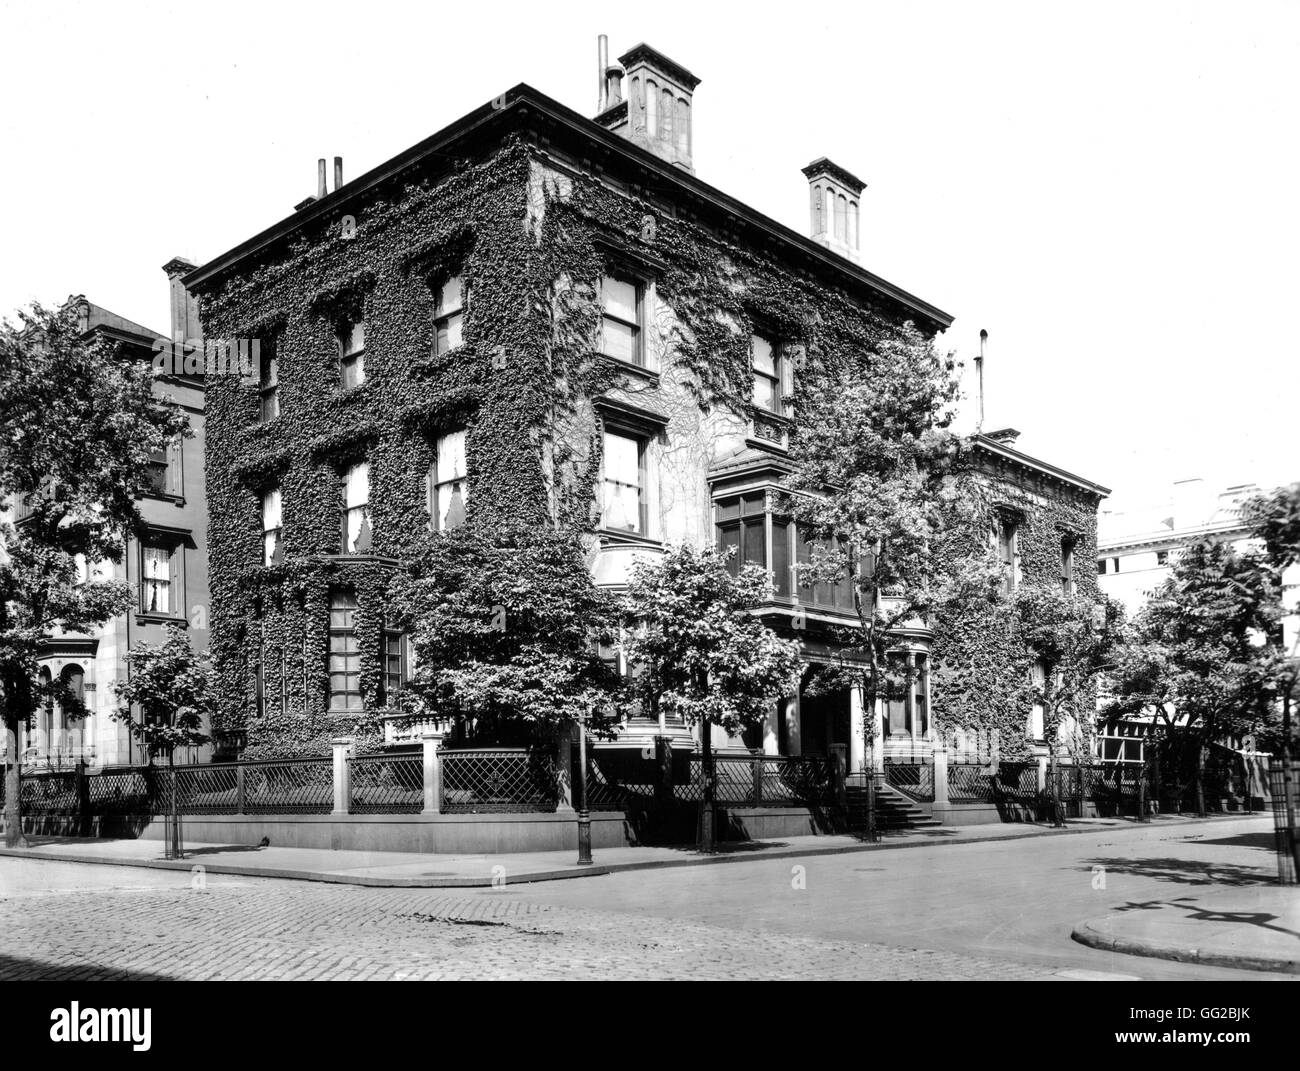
[
  {"x": 982, "y": 443},
  {"x": 515, "y": 107}
]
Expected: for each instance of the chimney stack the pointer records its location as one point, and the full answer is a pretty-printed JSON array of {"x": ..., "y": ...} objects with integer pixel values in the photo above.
[
  {"x": 833, "y": 196},
  {"x": 321, "y": 189},
  {"x": 602, "y": 66},
  {"x": 657, "y": 113},
  {"x": 184, "y": 305},
  {"x": 338, "y": 173}
]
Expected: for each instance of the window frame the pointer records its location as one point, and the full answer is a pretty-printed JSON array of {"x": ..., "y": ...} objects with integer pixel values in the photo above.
[
  {"x": 347, "y": 634},
  {"x": 351, "y": 360},
  {"x": 780, "y": 379},
  {"x": 442, "y": 317},
  {"x": 641, "y": 289},
  {"x": 268, "y": 384},
  {"x": 1068, "y": 582},
  {"x": 390, "y": 635},
  {"x": 363, "y": 507},
  {"x": 278, "y": 529},
  {"x": 174, "y": 588},
  {"x": 434, "y": 486},
  {"x": 642, "y": 442}
]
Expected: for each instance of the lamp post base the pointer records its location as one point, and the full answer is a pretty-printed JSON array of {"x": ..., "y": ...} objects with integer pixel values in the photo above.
[{"x": 584, "y": 838}]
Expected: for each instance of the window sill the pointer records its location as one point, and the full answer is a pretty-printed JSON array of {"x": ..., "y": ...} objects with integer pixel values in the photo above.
[
  {"x": 164, "y": 496},
  {"x": 161, "y": 619},
  {"x": 613, "y": 535},
  {"x": 357, "y": 559},
  {"x": 639, "y": 371}
]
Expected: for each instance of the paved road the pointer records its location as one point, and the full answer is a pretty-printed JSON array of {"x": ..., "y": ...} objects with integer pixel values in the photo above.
[{"x": 978, "y": 911}]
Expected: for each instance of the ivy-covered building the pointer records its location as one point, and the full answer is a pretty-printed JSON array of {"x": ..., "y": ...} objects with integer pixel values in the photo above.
[{"x": 538, "y": 315}]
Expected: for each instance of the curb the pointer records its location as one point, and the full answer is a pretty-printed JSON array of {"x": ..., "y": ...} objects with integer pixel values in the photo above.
[
  {"x": 1086, "y": 934},
  {"x": 596, "y": 870}
]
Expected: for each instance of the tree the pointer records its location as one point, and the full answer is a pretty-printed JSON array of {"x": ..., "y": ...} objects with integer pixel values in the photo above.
[
  {"x": 505, "y": 623},
  {"x": 879, "y": 490},
  {"x": 1201, "y": 647},
  {"x": 1276, "y": 520},
  {"x": 172, "y": 688},
  {"x": 1072, "y": 639},
  {"x": 700, "y": 652},
  {"x": 78, "y": 424}
]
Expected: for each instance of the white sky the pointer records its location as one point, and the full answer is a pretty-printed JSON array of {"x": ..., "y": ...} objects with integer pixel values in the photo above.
[{"x": 1109, "y": 188}]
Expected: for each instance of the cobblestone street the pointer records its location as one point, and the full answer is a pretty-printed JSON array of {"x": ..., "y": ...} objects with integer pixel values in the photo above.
[{"x": 992, "y": 911}]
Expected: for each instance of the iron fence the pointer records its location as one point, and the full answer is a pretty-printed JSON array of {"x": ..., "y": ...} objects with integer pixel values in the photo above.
[
  {"x": 212, "y": 789},
  {"x": 970, "y": 782},
  {"x": 49, "y": 793},
  {"x": 289, "y": 786},
  {"x": 913, "y": 779},
  {"x": 386, "y": 784},
  {"x": 120, "y": 792},
  {"x": 1285, "y": 812},
  {"x": 761, "y": 780},
  {"x": 498, "y": 780}
]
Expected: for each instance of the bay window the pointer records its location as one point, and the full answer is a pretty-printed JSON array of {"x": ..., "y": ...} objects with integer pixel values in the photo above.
[{"x": 344, "y": 654}]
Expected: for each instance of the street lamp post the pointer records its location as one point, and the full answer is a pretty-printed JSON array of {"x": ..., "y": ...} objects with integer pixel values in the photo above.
[{"x": 584, "y": 818}]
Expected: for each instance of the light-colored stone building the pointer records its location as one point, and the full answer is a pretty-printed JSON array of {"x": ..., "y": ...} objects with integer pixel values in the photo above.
[{"x": 166, "y": 562}]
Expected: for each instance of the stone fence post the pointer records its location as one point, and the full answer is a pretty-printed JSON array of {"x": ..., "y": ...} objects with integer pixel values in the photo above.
[
  {"x": 940, "y": 776},
  {"x": 432, "y": 773},
  {"x": 342, "y": 789}
]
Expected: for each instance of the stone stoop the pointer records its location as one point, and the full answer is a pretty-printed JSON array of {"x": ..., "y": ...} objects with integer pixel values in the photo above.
[{"x": 895, "y": 812}]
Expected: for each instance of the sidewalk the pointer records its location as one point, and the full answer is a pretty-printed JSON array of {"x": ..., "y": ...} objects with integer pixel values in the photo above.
[
  {"x": 414, "y": 870},
  {"x": 1254, "y": 928}
]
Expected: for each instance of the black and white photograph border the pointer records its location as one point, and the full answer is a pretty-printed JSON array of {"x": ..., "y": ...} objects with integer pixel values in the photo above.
[{"x": 715, "y": 493}]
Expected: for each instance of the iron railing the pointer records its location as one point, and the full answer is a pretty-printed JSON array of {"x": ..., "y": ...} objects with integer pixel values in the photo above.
[
  {"x": 1285, "y": 826},
  {"x": 289, "y": 786},
  {"x": 913, "y": 779},
  {"x": 970, "y": 782},
  {"x": 761, "y": 780},
  {"x": 49, "y": 793},
  {"x": 212, "y": 789},
  {"x": 386, "y": 784},
  {"x": 498, "y": 780}
]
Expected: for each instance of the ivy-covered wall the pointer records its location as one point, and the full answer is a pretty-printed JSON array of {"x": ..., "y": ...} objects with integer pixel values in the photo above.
[
  {"x": 532, "y": 236},
  {"x": 979, "y": 688}
]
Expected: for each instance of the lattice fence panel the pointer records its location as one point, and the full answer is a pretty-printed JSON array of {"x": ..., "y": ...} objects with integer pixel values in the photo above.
[
  {"x": 498, "y": 780},
  {"x": 210, "y": 789},
  {"x": 289, "y": 786},
  {"x": 387, "y": 784},
  {"x": 913, "y": 779},
  {"x": 969, "y": 782},
  {"x": 48, "y": 794}
]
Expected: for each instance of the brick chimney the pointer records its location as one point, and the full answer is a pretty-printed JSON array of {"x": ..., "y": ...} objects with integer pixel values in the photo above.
[
  {"x": 657, "y": 113},
  {"x": 184, "y": 305},
  {"x": 833, "y": 196}
]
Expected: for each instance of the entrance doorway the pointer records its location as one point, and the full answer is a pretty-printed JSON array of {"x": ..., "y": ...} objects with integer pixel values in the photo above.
[{"x": 824, "y": 718}]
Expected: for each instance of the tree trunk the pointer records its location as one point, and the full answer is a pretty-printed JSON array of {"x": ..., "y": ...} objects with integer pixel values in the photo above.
[
  {"x": 706, "y": 833},
  {"x": 1200, "y": 779},
  {"x": 1054, "y": 784},
  {"x": 1289, "y": 786},
  {"x": 13, "y": 804}
]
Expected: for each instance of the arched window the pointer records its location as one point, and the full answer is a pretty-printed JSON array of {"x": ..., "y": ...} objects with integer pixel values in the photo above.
[
  {"x": 829, "y": 215},
  {"x": 652, "y": 108},
  {"x": 819, "y": 213},
  {"x": 683, "y": 127},
  {"x": 841, "y": 217},
  {"x": 853, "y": 224},
  {"x": 666, "y": 110}
]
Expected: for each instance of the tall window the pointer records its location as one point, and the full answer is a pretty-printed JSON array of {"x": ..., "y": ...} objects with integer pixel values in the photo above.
[
  {"x": 344, "y": 655},
  {"x": 268, "y": 389},
  {"x": 449, "y": 315},
  {"x": 157, "y": 469},
  {"x": 1038, "y": 676},
  {"x": 622, "y": 301},
  {"x": 272, "y": 528},
  {"x": 624, "y": 507},
  {"x": 1067, "y": 566},
  {"x": 352, "y": 355},
  {"x": 770, "y": 375},
  {"x": 396, "y": 662},
  {"x": 742, "y": 524},
  {"x": 448, "y": 487},
  {"x": 155, "y": 580},
  {"x": 356, "y": 509},
  {"x": 1006, "y": 534}
]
